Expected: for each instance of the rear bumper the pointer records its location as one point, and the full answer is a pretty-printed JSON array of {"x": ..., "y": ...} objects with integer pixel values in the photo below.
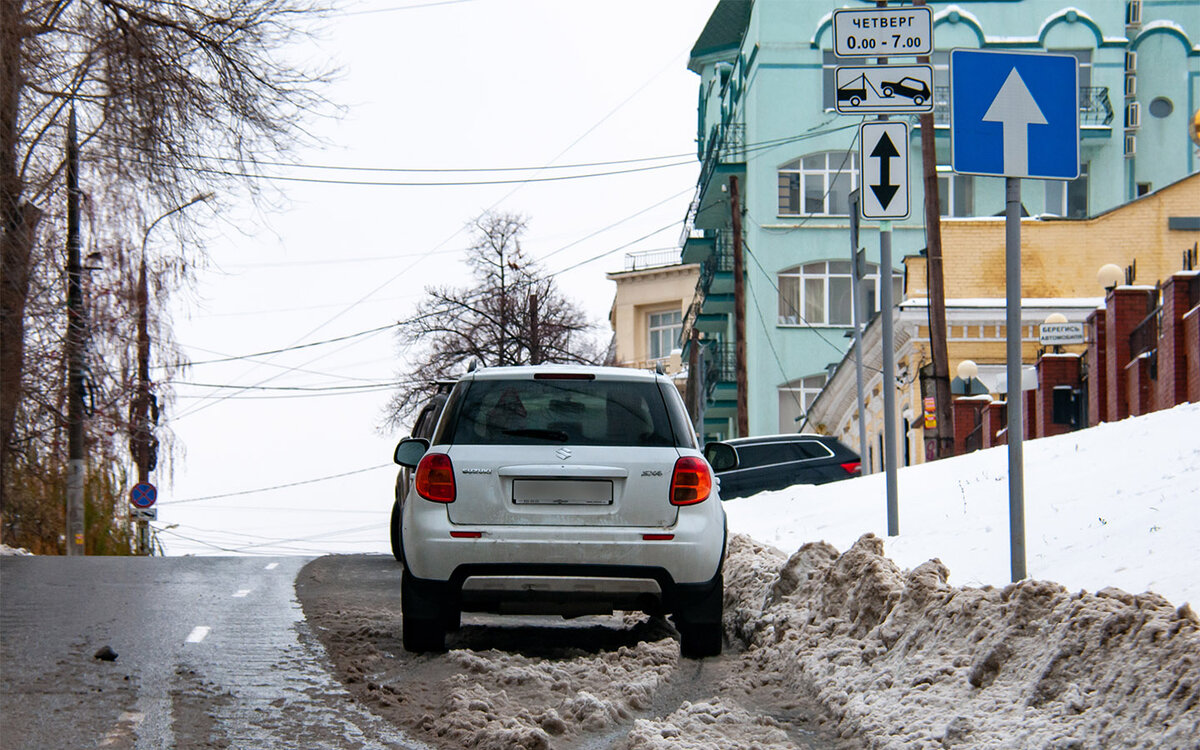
[
  {"x": 436, "y": 551},
  {"x": 569, "y": 590}
]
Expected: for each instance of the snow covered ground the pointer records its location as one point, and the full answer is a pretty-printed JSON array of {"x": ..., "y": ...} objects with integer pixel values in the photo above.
[{"x": 1115, "y": 505}]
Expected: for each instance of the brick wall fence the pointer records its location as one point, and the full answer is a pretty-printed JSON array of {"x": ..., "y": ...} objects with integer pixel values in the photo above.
[{"x": 1143, "y": 355}]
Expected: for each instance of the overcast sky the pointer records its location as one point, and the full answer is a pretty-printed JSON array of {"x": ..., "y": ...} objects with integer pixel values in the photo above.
[{"x": 454, "y": 85}]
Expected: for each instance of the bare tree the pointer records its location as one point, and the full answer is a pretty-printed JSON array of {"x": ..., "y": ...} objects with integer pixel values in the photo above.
[
  {"x": 173, "y": 99},
  {"x": 512, "y": 314}
]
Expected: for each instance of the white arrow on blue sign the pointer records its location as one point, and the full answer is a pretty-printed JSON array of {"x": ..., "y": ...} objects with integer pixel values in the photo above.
[{"x": 1014, "y": 114}]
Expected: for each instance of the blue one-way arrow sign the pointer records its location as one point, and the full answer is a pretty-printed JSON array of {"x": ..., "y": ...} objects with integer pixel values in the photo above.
[{"x": 1014, "y": 114}]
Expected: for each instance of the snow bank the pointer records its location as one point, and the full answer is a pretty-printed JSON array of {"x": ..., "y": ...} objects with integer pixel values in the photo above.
[{"x": 901, "y": 659}]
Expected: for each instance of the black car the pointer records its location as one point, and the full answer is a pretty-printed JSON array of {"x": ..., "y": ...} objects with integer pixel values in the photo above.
[{"x": 772, "y": 462}]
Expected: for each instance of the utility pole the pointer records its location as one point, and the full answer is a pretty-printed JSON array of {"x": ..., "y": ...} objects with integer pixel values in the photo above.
[
  {"x": 936, "y": 284},
  {"x": 141, "y": 403},
  {"x": 535, "y": 353},
  {"x": 142, "y": 442},
  {"x": 75, "y": 332},
  {"x": 739, "y": 311},
  {"x": 858, "y": 263},
  {"x": 890, "y": 468}
]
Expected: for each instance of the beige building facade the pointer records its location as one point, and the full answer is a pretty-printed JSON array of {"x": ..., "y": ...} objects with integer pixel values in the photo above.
[
  {"x": 651, "y": 297},
  {"x": 1060, "y": 258}
]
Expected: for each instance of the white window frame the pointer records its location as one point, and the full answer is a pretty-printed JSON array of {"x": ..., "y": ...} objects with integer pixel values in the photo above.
[
  {"x": 950, "y": 180},
  {"x": 817, "y": 275},
  {"x": 655, "y": 329},
  {"x": 802, "y": 391},
  {"x": 833, "y": 164}
]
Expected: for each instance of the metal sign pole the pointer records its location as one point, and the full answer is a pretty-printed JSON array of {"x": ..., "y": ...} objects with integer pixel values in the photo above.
[
  {"x": 856, "y": 319},
  {"x": 1016, "y": 471},
  {"x": 889, "y": 375}
]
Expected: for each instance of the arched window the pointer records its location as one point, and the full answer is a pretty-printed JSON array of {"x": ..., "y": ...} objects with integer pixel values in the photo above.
[
  {"x": 818, "y": 184},
  {"x": 819, "y": 293}
]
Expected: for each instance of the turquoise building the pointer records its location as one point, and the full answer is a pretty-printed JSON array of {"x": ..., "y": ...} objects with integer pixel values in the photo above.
[{"x": 766, "y": 116}]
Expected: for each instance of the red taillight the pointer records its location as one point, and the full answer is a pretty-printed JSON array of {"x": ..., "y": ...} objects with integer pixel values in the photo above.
[
  {"x": 435, "y": 478},
  {"x": 466, "y": 534},
  {"x": 853, "y": 467},
  {"x": 657, "y": 537},
  {"x": 691, "y": 482}
]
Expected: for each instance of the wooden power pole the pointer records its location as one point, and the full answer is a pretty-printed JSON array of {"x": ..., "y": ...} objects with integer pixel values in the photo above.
[
  {"x": 936, "y": 285},
  {"x": 739, "y": 310}
]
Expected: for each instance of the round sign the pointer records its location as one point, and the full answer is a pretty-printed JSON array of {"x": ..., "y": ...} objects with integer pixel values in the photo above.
[{"x": 143, "y": 495}]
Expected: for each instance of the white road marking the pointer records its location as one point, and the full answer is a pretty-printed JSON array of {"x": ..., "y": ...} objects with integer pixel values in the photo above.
[
  {"x": 199, "y": 633},
  {"x": 126, "y": 727},
  {"x": 272, "y": 566},
  {"x": 241, "y": 593}
]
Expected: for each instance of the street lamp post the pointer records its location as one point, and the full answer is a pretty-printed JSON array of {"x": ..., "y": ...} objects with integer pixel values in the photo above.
[{"x": 142, "y": 442}]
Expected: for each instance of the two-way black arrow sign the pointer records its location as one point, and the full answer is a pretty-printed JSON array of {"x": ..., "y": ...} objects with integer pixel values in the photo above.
[{"x": 885, "y": 151}]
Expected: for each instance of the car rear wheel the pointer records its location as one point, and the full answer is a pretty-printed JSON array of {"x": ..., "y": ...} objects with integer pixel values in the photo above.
[
  {"x": 397, "y": 545},
  {"x": 423, "y": 619},
  {"x": 700, "y": 640},
  {"x": 699, "y": 623}
]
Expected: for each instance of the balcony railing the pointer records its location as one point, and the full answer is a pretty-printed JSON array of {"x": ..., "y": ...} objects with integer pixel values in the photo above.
[
  {"x": 651, "y": 259},
  {"x": 721, "y": 361},
  {"x": 1095, "y": 108}
]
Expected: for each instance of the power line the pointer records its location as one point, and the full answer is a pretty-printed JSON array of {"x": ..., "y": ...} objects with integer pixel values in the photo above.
[
  {"x": 275, "y": 487},
  {"x": 295, "y": 347},
  {"x": 420, "y": 183}
]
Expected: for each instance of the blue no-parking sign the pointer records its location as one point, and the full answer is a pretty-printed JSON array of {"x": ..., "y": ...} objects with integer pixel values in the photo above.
[
  {"x": 143, "y": 495},
  {"x": 1014, "y": 114}
]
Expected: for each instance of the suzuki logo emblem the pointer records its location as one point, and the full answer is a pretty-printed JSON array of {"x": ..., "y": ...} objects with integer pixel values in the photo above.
[{"x": 563, "y": 453}]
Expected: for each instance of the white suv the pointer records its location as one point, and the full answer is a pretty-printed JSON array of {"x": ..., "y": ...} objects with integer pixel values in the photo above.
[{"x": 563, "y": 490}]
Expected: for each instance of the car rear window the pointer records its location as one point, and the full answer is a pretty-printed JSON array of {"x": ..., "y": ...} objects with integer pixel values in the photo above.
[
  {"x": 765, "y": 454},
  {"x": 578, "y": 412}
]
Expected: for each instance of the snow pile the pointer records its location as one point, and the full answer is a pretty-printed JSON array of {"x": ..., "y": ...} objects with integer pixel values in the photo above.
[
  {"x": 6, "y": 550},
  {"x": 497, "y": 701},
  {"x": 902, "y": 659},
  {"x": 711, "y": 725}
]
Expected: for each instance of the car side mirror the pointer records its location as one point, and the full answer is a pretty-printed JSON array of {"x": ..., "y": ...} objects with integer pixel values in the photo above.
[
  {"x": 721, "y": 456},
  {"x": 409, "y": 451}
]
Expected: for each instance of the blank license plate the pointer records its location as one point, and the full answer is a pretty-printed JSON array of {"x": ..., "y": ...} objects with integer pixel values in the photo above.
[{"x": 562, "y": 492}]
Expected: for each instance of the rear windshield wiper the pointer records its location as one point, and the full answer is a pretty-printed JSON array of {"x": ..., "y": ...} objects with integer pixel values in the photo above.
[{"x": 556, "y": 435}]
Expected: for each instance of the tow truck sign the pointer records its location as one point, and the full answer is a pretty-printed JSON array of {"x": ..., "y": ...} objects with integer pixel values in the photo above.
[
  {"x": 880, "y": 32},
  {"x": 884, "y": 89}
]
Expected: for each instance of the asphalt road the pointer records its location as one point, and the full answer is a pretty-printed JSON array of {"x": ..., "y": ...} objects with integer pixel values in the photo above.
[{"x": 211, "y": 653}]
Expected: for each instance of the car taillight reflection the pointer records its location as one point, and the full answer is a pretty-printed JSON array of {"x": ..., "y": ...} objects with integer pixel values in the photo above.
[
  {"x": 435, "y": 478},
  {"x": 854, "y": 468},
  {"x": 691, "y": 481}
]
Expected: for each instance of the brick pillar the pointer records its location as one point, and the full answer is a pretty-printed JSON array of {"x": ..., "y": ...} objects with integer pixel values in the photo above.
[
  {"x": 966, "y": 416},
  {"x": 1054, "y": 370},
  {"x": 995, "y": 418},
  {"x": 1097, "y": 364},
  {"x": 1172, "y": 344},
  {"x": 1029, "y": 416},
  {"x": 1191, "y": 334},
  {"x": 1125, "y": 307},
  {"x": 1139, "y": 387}
]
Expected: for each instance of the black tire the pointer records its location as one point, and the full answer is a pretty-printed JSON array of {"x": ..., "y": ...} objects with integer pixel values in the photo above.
[
  {"x": 888, "y": 91},
  {"x": 397, "y": 542},
  {"x": 423, "y": 636},
  {"x": 855, "y": 101},
  {"x": 700, "y": 640},
  {"x": 698, "y": 621},
  {"x": 423, "y": 618},
  {"x": 918, "y": 100}
]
